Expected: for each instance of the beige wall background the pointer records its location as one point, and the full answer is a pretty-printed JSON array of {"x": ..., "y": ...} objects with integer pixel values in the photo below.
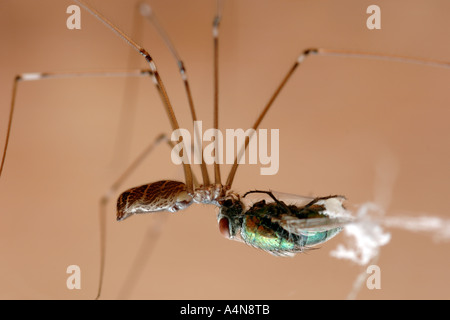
[{"x": 338, "y": 119}]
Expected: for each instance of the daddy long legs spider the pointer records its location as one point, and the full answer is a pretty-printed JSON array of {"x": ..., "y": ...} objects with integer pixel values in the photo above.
[{"x": 63, "y": 174}]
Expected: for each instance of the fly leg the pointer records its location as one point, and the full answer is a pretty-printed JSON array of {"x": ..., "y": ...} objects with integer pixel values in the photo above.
[
  {"x": 270, "y": 194},
  {"x": 313, "y": 202}
]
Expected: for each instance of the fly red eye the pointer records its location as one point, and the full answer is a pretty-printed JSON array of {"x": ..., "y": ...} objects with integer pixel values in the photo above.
[{"x": 224, "y": 227}]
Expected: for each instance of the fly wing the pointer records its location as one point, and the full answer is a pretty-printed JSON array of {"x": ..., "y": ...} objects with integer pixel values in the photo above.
[
  {"x": 306, "y": 226},
  {"x": 332, "y": 217}
]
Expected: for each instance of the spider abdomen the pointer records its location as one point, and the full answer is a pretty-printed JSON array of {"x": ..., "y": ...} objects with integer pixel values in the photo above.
[{"x": 165, "y": 195}]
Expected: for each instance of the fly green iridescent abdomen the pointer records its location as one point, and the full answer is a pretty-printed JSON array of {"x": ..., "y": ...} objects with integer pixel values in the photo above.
[
  {"x": 259, "y": 232},
  {"x": 314, "y": 238},
  {"x": 273, "y": 238},
  {"x": 262, "y": 227}
]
